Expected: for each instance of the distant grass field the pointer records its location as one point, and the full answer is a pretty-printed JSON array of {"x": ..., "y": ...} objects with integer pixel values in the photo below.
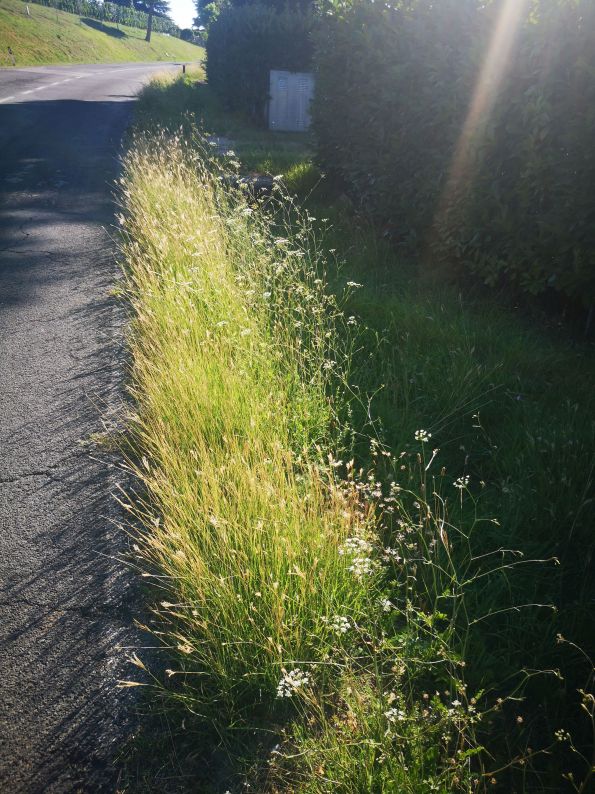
[{"x": 48, "y": 36}]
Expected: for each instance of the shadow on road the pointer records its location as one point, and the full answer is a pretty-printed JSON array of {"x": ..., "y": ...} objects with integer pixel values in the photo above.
[
  {"x": 58, "y": 163},
  {"x": 65, "y": 600}
]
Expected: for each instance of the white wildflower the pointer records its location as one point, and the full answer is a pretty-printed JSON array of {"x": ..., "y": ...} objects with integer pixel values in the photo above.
[
  {"x": 291, "y": 682},
  {"x": 363, "y": 566},
  {"x": 395, "y": 715},
  {"x": 461, "y": 482},
  {"x": 356, "y": 545},
  {"x": 340, "y": 624},
  {"x": 423, "y": 436}
]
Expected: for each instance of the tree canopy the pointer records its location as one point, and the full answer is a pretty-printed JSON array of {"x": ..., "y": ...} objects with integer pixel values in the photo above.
[
  {"x": 208, "y": 10},
  {"x": 158, "y": 8}
]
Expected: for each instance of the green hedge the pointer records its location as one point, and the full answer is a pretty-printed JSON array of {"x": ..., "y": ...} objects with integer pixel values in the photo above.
[
  {"x": 245, "y": 42},
  {"x": 394, "y": 89}
]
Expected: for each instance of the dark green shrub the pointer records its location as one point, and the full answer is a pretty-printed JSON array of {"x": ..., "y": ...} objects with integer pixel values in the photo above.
[
  {"x": 394, "y": 90},
  {"x": 245, "y": 42}
]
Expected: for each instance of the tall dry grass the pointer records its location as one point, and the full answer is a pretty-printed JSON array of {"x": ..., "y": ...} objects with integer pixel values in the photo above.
[{"x": 325, "y": 610}]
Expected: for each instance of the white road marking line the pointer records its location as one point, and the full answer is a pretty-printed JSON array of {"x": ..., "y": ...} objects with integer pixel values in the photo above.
[
  {"x": 31, "y": 91},
  {"x": 79, "y": 76}
]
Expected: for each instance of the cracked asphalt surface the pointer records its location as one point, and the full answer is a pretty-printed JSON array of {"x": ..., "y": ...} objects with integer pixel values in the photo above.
[{"x": 65, "y": 611}]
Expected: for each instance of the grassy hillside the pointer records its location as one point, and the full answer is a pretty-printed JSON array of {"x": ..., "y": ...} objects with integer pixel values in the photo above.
[{"x": 49, "y": 36}]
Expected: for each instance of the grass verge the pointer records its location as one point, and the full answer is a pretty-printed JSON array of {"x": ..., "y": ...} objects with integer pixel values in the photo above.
[
  {"x": 338, "y": 628},
  {"x": 189, "y": 102},
  {"x": 48, "y": 36}
]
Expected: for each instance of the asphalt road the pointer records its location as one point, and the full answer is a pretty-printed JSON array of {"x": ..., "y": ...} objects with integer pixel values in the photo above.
[{"x": 65, "y": 603}]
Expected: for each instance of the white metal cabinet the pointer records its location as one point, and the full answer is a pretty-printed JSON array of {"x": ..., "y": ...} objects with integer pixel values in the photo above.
[{"x": 289, "y": 103}]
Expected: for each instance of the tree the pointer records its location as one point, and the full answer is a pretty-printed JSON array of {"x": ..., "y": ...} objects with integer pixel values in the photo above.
[
  {"x": 208, "y": 10},
  {"x": 158, "y": 8}
]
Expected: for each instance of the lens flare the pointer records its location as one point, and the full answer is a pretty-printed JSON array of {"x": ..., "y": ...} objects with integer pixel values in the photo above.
[{"x": 484, "y": 97}]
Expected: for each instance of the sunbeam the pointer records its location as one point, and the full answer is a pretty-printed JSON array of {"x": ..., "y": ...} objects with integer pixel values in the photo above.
[{"x": 484, "y": 96}]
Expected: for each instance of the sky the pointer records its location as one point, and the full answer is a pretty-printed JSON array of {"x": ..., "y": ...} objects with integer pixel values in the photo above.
[{"x": 182, "y": 12}]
